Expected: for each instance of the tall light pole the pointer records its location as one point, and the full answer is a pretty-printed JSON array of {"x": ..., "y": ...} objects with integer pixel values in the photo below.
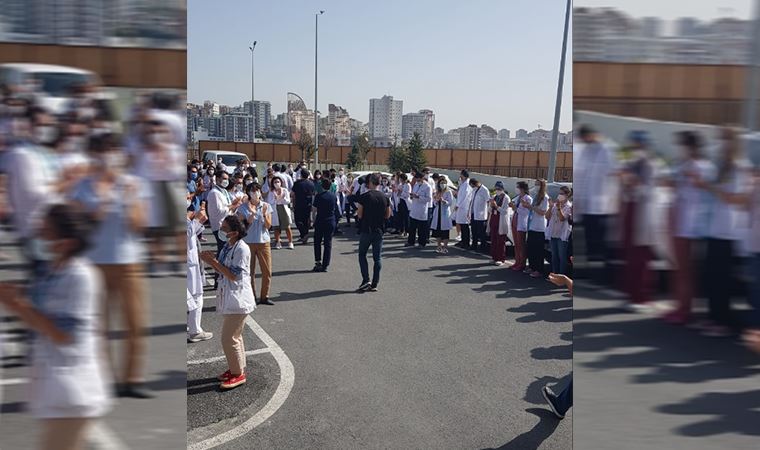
[
  {"x": 316, "y": 116},
  {"x": 253, "y": 109},
  {"x": 555, "y": 131},
  {"x": 753, "y": 75}
]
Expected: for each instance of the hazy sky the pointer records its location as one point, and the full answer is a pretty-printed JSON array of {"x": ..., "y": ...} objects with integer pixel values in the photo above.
[
  {"x": 669, "y": 10},
  {"x": 480, "y": 61}
]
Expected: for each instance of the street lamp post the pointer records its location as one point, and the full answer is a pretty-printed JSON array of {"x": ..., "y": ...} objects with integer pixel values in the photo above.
[
  {"x": 253, "y": 108},
  {"x": 316, "y": 116},
  {"x": 753, "y": 74},
  {"x": 555, "y": 131}
]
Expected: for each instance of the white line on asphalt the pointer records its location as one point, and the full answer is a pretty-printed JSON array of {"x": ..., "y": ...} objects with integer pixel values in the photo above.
[
  {"x": 103, "y": 438},
  {"x": 220, "y": 358},
  {"x": 287, "y": 376},
  {"x": 12, "y": 381}
]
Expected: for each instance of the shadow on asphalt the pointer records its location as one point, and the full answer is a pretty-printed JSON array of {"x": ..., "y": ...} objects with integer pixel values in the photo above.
[
  {"x": 12, "y": 408},
  {"x": 663, "y": 353},
  {"x": 535, "y": 436},
  {"x": 162, "y": 330},
  {"x": 169, "y": 380},
  {"x": 203, "y": 385}
]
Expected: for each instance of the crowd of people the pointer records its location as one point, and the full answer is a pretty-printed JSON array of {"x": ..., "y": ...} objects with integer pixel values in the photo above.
[
  {"x": 90, "y": 202},
  {"x": 248, "y": 213},
  {"x": 710, "y": 205}
]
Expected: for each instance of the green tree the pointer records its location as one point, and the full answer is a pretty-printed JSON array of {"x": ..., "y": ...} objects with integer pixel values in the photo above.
[
  {"x": 398, "y": 159},
  {"x": 363, "y": 147},
  {"x": 416, "y": 153},
  {"x": 353, "y": 160}
]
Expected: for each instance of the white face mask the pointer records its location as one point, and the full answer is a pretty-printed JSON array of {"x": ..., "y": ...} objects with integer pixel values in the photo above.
[
  {"x": 561, "y": 198},
  {"x": 224, "y": 183},
  {"x": 45, "y": 134},
  {"x": 239, "y": 187},
  {"x": 113, "y": 160}
]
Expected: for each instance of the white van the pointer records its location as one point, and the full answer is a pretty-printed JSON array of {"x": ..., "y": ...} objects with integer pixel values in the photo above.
[
  {"x": 54, "y": 81},
  {"x": 229, "y": 159}
]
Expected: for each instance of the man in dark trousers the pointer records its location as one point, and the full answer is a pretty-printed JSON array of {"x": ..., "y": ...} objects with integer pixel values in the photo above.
[
  {"x": 303, "y": 195},
  {"x": 374, "y": 210},
  {"x": 325, "y": 203}
]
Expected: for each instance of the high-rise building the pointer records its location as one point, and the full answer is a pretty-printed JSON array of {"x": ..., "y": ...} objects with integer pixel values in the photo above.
[
  {"x": 338, "y": 125},
  {"x": 262, "y": 111},
  {"x": 299, "y": 117},
  {"x": 469, "y": 137},
  {"x": 238, "y": 127},
  {"x": 521, "y": 134},
  {"x": 412, "y": 123},
  {"x": 385, "y": 122},
  {"x": 504, "y": 134}
]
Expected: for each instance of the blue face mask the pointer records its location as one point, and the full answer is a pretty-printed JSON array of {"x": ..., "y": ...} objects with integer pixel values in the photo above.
[
  {"x": 42, "y": 250},
  {"x": 193, "y": 176},
  {"x": 222, "y": 236}
]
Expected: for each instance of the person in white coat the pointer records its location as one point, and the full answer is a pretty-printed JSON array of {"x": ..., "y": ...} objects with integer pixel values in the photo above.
[
  {"x": 195, "y": 333},
  {"x": 460, "y": 209},
  {"x": 559, "y": 229},
  {"x": 520, "y": 225},
  {"x": 477, "y": 215},
  {"x": 220, "y": 205},
  {"x": 441, "y": 229},
  {"x": 235, "y": 299},
  {"x": 498, "y": 223},
  {"x": 69, "y": 379},
  {"x": 279, "y": 199},
  {"x": 537, "y": 229},
  {"x": 421, "y": 196}
]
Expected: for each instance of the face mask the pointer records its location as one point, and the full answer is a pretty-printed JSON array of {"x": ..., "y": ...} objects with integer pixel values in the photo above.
[
  {"x": 340, "y": 173},
  {"x": 239, "y": 187},
  {"x": 442, "y": 185},
  {"x": 248, "y": 182},
  {"x": 561, "y": 198},
  {"x": 194, "y": 176},
  {"x": 113, "y": 160},
  {"x": 277, "y": 185},
  {"x": 45, "y": 134},
  {"x": 75, "y": 144},
  {"x": 499, "y": 192},
  {"x": 211, "y": 173},
  {"x": 43, "y": 249},
  {"x": 224, "y": 183},
  {"x": 223, "y": 236}
]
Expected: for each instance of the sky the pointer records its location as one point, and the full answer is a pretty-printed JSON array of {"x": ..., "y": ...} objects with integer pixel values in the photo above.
[{"x": 474, "y": 62}]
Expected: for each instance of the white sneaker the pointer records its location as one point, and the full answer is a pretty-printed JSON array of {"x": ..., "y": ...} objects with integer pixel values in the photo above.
[
  {"x": 202, "y": 336},
  {"x": 291, "y": 246},
  {"x": 278, "y": 246},
  {"x": 499, "y": 263},
  {"x": 458, "y": 238}
]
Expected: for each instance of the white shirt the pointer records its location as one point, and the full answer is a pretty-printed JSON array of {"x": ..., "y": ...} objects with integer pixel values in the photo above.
[
  {"x": 219, "y": 201},
  {"x": 30, "y": 170},
  {"x": 692, "y": 203},
  {"x": 594, "y": 183},
  {"x": 477, "y": 208},
  {"x": 463, "y": 197},
  {"x": 559, "y": 229},
  {"x": 522, "y": 212},
  {"x": 287, "y": 181},
  {"x": 236, "y": 296},
  {"x": 538, "y": 221},
  {"x": 431, "y": 182},
  {"x": 728, "y": 221},
  {"x": 419, "y": 209}
]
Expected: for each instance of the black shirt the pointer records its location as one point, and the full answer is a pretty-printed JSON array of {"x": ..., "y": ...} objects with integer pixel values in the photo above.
[
  {"x": 304, "y": 191},
  {"x": 374, "y": 203},
  {"x": 326, "y": 202}
]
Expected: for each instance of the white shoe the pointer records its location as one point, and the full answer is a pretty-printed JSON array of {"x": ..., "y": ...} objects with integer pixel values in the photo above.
[
  {"x": 499, "y": 263},
  {"x": 278, "y": 246},
  {"x": 291, "y": 246},
  {"x": 458, "y": 238},
  {"x": 202, "y": 336}
]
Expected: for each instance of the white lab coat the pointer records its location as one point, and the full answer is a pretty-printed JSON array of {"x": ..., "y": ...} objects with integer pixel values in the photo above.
[
  {"x": 463, "y": 197},
  {"x": 477, "y": 207},
  {"x": 273, "y": 203},
  {"x": 419, "y": 209},
  {"x": 218, "y": 203},
  {"x": 194, "y": 270},
  {"x": 446, "y": 201},
  {"x": 236, "y": 296}
]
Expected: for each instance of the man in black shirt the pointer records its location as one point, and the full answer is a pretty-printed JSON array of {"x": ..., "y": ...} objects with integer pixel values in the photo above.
[
  {"x": 325, "y": 203},
  {"x": 374, "y": 210},
  {"x": 303, "y": 193}
]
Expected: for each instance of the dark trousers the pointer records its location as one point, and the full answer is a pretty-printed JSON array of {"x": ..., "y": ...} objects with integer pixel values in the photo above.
[
  {"x": 595, "y": 227},
  {"x": 478, "y": 235},
  {"x": 374, "y": 239},
  {"x": 465, "y": 227},
  {"x": 323, "y": 232},
  {"x": 429, "y": 224},
  {"x": 219, "y": 247},
  {"x": 402, "y": 217},
  {"x": 754, "y": 293},
  {"x": 565, "y": 399},
  {"x": 719, "y": 280},
  {"x": 536, "y": 251},
  {"x": 303, "y": 222},
  {"x": 421, "y": 230}
]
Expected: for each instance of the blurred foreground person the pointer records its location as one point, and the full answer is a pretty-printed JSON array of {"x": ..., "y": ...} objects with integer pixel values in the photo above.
[
  {"x": 235, "y": 299},
  {"x": 637, "y": 180},
  {"x": 67, "y": 371},
  {"x": 689, "y": 219},
  {"x": 562, "y": 402},
  {"x": 195, "y": 333},
  {"x": 117, "y": 206}
]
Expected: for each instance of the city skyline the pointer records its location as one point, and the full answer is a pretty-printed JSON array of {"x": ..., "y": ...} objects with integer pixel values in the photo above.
[
  {"x": 489, "y": 75},
  {"x": 670, "y": 11}
]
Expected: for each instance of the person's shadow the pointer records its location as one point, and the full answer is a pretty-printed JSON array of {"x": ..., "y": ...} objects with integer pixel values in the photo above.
[{"x": 536, "y": 435}]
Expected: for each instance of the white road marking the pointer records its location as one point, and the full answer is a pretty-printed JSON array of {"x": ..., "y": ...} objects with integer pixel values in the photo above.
[
  {"x": 103, "y": 438},
  {"x": 221, "y": 358},
  {"x": 12, "y": 381},
  {"x": 287, "y": 377}
]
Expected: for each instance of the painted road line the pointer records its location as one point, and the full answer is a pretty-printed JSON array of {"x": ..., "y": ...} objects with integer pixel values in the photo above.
[
  {"x": 287, "y": 377},
  {"x": 12, "y": 381},
  {"x": 222, "y": 358},
  {"x": 103, "y": 438}
]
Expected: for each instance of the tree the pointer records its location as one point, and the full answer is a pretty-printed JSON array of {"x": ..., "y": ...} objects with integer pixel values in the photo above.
[
  {"x": 327, "y": 142},
  {"x": 415, "y": 153},
  {"x": 363, "y": 147},
  {"x": 398, "y": 159},
  {"x": 353, "y": 160},
  {"x": 305, "y": 144}
]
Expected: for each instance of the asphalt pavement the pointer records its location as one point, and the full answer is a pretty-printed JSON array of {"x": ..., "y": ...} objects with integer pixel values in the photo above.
[
  {"x": 642, "y": 383},
  {"x": 452, "y": 352},
  {"x": 132, "y": 424}
]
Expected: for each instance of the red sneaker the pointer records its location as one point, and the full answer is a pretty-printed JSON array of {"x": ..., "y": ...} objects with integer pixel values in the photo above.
[
  {"x": 233, "y": 381},
  {"x": 225, "y": 376}
]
